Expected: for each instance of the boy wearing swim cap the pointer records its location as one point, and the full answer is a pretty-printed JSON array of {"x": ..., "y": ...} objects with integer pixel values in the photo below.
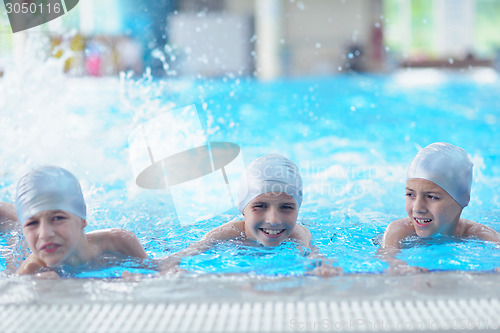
[
  {"x": 438, "y": 184},
  {"x": 270, "y": 195},
  {"x": 52, "y": 212}
]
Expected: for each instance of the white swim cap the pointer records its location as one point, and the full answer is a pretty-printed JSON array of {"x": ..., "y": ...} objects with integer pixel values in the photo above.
[
  {"x": 270, "y": 173},
  {"x": 447, "y": 166},
  {"x": 49, "y": 188}
]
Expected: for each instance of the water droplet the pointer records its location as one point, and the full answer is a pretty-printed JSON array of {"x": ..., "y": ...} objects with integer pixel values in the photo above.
[{"x": 318, "y": 45}]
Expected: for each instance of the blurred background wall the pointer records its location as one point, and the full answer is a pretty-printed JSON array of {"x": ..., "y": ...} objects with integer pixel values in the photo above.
[{"x": 264, "y": 38}]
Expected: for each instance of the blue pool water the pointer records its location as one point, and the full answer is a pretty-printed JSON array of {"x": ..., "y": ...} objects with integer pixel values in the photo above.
[{"x": 352, "y": 137}]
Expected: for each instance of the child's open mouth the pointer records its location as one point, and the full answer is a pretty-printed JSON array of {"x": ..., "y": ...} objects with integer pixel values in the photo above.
[
  {"x": 49, "y": 248},
  {"x": 272, "y": 232},
  {"x": 422, "y": 222}
]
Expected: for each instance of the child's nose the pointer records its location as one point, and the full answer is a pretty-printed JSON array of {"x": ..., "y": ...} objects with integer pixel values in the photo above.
[
  {"x": 272, "y": 216},
  {"x": 420, "y": 206},
  {"x": 46, "y": 230}
]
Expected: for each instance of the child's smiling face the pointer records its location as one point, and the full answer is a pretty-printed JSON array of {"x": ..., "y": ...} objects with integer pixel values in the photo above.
[
  {"x": 270, "y": 218},
  {"x": 430, "y": 208}
]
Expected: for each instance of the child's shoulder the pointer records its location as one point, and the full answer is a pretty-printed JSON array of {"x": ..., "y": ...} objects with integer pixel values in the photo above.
[
  {"x": 396, "y": 231},
  {"x": 8, "y": 210},
  {"x": 104, "y": 235},
  {"x": 229, "y": 230},
  {"x": 8, "y": 216},
  {"x": 469, "y": 228},
  {"x": 301, "y": 231},
  {"x": 302, "y": 234},
  {"x": 115, "y": 240}
]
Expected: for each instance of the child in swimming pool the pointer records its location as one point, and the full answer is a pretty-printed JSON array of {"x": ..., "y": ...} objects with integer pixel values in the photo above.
[
  {"x": 269, "y": 198},
  {"x": 438, "y": 184},
  {"x": 52, "y": 212}
]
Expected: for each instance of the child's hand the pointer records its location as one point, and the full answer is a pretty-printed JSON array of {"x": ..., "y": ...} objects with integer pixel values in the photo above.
[
  {"x": 404, "y": 269},
  {"x": 49, "y": 275},
  {"x": 174, "y": 270},
  {"x": 132, "y": 276},
  {"x": 170, "y": 266},
  {"x": 324, "y": 268}
]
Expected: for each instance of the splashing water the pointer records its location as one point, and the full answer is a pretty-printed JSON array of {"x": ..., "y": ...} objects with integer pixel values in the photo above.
[{"x": 353, "y": 163}]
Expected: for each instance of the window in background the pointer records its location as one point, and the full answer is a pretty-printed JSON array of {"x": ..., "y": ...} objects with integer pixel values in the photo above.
[
  {"x": 442, "y": 29},
  {"x": 487, "y": 28}
]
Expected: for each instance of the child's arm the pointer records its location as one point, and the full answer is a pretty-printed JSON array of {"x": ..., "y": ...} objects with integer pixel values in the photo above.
[
  {"x": 10, "y": 226},
  {"x": 32, "y": 265},
  {"x": 322, "y": 265},
  {"x": 229, "y": 230},
  {"x": 394, "y": 233},
  {"x": 35, "y": 266},
  {"x": 8, "y": 216},
  {"x": 118, "y": 241}
]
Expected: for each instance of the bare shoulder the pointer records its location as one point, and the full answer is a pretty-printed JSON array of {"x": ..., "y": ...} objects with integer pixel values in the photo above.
[
  {"x": 8, "y": 211},
  {"x": 396, "y": 231},
  {"x": 109, "y": 234},
  {"x": 8, "y": 216},
  {"x": 31, "y": 265},
  {"x": 228, "y": 230},
  {"x": 303, "y": 235},
  {"x": 115, "y": 240},
  {"x": 473, "y": 229}
]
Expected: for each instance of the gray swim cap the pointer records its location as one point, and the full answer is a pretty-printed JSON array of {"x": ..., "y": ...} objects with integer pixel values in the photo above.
[
  {"x": 270, "y": 173},
  {"x": 447, "y": 166},
  {"x": 49, "y": 188}
]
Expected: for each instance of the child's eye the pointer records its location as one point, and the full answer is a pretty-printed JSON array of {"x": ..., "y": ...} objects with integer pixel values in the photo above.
[
  {"x": 433, "y": 197},
  {"x": 409, "y": 194},
  {"x": 287, "y": 207},
  {"x": 59, "y": 218},
  {"x": 259, "y": 206},
  {"x": 30, "y": 223}
]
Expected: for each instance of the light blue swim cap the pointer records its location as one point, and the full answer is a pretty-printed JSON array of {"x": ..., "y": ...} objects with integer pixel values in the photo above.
[
  {"x": 270, "y": 173},
  {"x": 49, "y": 188},
  {"x": 447, "y": 166}
]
